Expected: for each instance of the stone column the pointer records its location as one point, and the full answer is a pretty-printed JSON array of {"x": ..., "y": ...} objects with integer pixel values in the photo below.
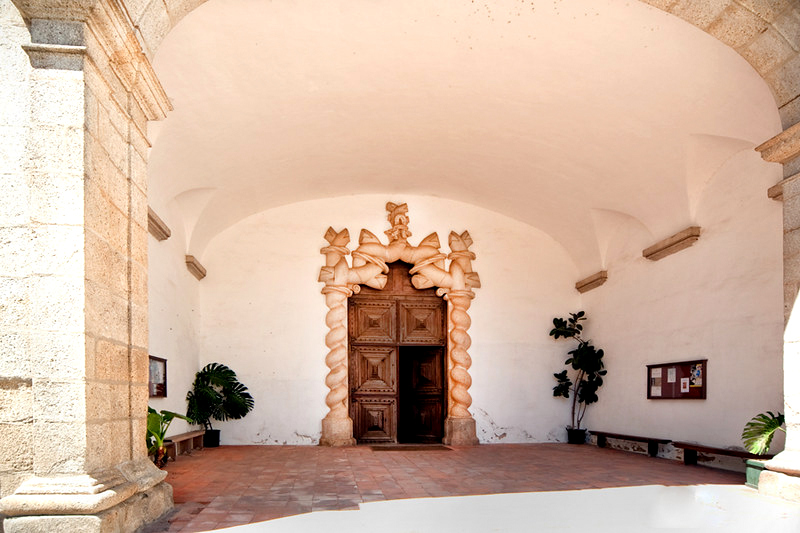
[
  {"x": 79, "y": 289},
  {"x": 459, "y": 426},
  {"x": 782, "y": 477}
]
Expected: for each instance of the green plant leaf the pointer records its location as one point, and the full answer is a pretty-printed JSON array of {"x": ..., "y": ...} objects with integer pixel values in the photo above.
[{"x": 759, "y": 431}]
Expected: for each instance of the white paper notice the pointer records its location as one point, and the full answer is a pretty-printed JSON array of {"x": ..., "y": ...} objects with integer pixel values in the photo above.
[
  {"x": 655, "y": 373},
  {"x": 655, "y": 391},
  {"x": 670, "y": 375},
  {"x": 684, "y": 384}
]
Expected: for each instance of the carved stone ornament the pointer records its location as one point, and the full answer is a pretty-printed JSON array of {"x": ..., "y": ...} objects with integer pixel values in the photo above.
[{"x": 430, "y": 268}]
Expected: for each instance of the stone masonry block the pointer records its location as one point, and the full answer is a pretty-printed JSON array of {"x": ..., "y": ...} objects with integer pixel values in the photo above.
[
  {"x": 57, "y": 303},
  {"x": 736, "y": 26},
  {"x": 114, "y": 142},
  {"x": 768, "y": 10},
  {"x": 767, "y": 51},
  {"x": 154, "y": 25},
  {"x": 104, "y": 174},
  {"x": 139, "y": 237},
  {"x": 14, "y": 208},
  {"x": 785, "y": 81},
  {"x": 110, "y": 361},
  {"x": 138, "y": 435},
  {"x": 139, "y": 142},
  {"x": 108, "y": 443},
  {"x": 16, "y": 401},
  {"x": 15, "y": 448},
  {"x": 53, "y": 98},
  {"x": 139, "y": 206},
  {"x": 58, "y": 356},
  {"x": 791, "y": 208},
  {"x": 140, "y": 366},
  {"x": 104, "y": 219},
  {"x": 59, "y": 401},
  {"x": 14, "y": 347},
  {"x": 13, "y": 98},
  {"x": 790, "y": 113},
  {"x": 57, "y": 250},
  {"x": 140, "y": 395},
  {"x": 139, "y": 289},
  {"x": 59, "y": 448},
  {"x": 14, "y": 303},
  {"x": 701, "y": 14},
  {"x": 788, "y": 25},
  {"x": 55, "y": 149},
  {"x": 106, "y": 313},
  {"x": 106, "y": 401},
  {"x": 106, "y": 266},
  {"x": 12, "y": 149},
  {"x": 139, "y": 331},
  {"x": 15, "y": 251},
  {"x": 56, "y": 199},
  {"x": 139, "y": 171}
]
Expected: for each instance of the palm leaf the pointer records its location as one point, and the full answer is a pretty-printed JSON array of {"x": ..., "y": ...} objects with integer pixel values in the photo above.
[{"x": 757, "y": 434}]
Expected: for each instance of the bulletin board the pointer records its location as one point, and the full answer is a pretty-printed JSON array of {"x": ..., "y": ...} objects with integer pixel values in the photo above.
[{"x": 686, "y": 380}]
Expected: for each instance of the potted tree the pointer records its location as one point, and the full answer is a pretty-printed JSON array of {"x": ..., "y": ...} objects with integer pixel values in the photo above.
[
  {"x": 157, "y": 426},
  {"x": 757, "y": 436},
  {"x": 217, "y": 394},
  {"x": 587, "y": 363}
]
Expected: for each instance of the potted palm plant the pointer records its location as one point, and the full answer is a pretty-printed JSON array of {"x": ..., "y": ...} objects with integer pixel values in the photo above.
[
  {"x": 217, "y": 394},
  {"x": 587, "y": 363},
  {"x": 157, "y": 426},
  {"x": 757, "y": 436}
]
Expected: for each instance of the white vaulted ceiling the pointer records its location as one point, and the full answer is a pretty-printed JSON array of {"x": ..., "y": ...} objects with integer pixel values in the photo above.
[{"x": 569, "y": 116}]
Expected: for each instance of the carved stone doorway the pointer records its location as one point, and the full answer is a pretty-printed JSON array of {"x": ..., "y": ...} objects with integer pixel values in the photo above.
[{"x": 396, "y": 363}]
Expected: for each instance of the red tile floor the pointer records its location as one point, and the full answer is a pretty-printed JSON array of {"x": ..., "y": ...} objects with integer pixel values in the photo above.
[{"x": 234, "y": 485}]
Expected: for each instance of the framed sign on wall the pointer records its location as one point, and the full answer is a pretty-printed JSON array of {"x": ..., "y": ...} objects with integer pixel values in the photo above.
[
  {"x": 158, "y": 377},
  {"x": 685, "y": 380}
]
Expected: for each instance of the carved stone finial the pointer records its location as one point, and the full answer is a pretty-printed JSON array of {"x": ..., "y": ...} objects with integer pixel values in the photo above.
[{"x": 398, "y": 218}]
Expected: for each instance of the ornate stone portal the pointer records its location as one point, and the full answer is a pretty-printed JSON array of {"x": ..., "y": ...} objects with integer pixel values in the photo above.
[{"x": 370, "y": 265}]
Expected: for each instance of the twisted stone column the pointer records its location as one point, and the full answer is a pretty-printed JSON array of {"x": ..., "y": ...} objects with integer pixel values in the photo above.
[
  {"x": 459, "y": 425},
  {"x": 337, "y": 426}
]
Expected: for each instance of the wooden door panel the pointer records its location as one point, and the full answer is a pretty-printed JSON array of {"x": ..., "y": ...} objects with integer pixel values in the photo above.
[
  {"x": 421, "y": 323},
  {"x": 426, "y": 420},
  {"x": 375, "y": 420},
  {"x": 373, "y": 369},
  {"x": 372, "y": 321}
]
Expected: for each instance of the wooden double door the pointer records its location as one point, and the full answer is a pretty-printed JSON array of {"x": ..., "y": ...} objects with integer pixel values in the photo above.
[{"x": 397, "y": 347}]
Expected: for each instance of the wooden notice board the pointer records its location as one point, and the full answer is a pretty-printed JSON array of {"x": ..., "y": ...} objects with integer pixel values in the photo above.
[{"x": 686, "y": 380}]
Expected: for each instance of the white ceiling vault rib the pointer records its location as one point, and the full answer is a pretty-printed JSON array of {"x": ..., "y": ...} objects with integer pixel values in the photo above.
[{"x": 550, "y": 112}]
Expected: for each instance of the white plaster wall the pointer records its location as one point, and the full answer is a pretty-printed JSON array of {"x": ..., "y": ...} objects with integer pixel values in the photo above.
[
  {"x": 720, "y": 299},
  {"x": 173, "y": 294},
  {"x": 262, "y": 314}
]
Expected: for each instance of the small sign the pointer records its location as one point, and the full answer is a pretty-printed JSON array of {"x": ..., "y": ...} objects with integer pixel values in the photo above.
[
  {"x": 684, "y": 385},
  {"x": 671, "y": 375}
]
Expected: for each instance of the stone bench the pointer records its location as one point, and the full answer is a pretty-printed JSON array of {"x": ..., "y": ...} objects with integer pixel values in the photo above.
[
  {"x": 652, "y": 442},
  {"x": 184, "y": 443},
  {"x": 691, "y": 449}
]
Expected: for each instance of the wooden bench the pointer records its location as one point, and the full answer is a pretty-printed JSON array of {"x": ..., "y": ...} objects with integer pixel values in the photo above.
[
  {"x": 184, "y": 443},
  {"x": 652, "y": 442},
  {"x": 691, "y": 449}
]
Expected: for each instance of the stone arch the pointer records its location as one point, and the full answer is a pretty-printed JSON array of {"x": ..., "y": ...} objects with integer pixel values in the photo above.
[
  {"x": 766, "y": 33},
  {"x": 369, "y": 267}
]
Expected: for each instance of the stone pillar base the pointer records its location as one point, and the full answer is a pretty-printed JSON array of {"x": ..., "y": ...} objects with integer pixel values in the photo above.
[
  {"x": 337, "y": 432},
  {"x": 120, "y": 499},
  {"x": 780, "y": 485},
  {"x": 459, "y": 432}
]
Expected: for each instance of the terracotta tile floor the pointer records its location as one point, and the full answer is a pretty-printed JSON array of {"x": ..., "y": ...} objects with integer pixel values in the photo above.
[{"x": 234, "y": 485}]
